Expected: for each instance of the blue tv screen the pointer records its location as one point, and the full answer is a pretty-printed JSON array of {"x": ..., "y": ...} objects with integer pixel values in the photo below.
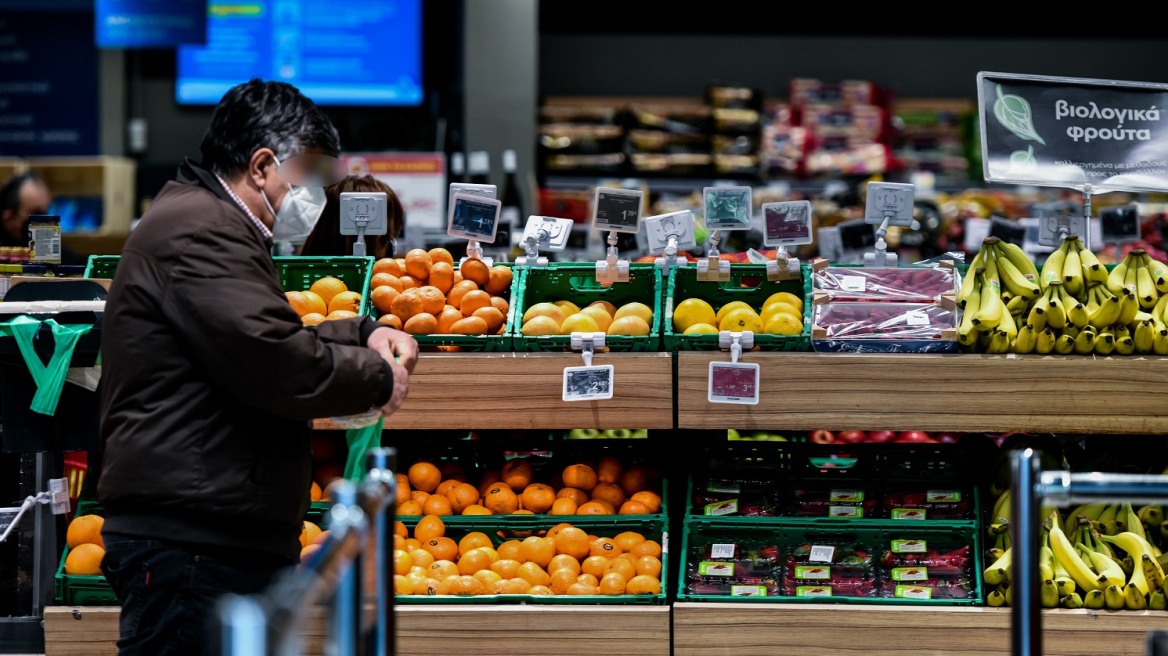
[{"x": 354, "y": 52}]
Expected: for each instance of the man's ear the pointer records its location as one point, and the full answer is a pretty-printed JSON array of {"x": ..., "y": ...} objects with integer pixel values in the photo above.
[{"x": 258, "y": 166}]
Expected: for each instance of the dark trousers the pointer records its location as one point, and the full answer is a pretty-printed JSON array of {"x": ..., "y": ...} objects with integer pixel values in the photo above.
[{"x": 169, "y": 592}]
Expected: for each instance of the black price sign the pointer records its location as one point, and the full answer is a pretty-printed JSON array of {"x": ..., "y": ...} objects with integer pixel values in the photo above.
[
  {"x": 1009, "y": 231},
  {"x": 1120, "y": 224},
  {"x": 617, "y": 210},
  {"x": 857, "y": 235},
  {"x": 787, "y": 223}
]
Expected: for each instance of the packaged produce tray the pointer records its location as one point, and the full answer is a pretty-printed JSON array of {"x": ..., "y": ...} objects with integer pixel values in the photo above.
[
  {"x": 868, "y": 484},
  {"x": 794, "y": 561},
  {"x": 748, "y": 283},
  {"x": 654, "y": 529},
  {"x": 543, "y": 464},
  {"x": 296, "y": 272},
  {"x": 867, "y": 284},
  {"x": 884, "y": 327},
  {"x": 576, "y": 282}
]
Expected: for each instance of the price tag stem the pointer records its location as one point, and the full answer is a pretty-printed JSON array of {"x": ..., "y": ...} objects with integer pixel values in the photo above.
[
  {"x": 474, "y": 249},
  {"x": 669, "y": 257},
  {"x": 531, "y": 247},
  {"x": 881, "y": 257},
  {"x": 713, "y": 268},
  {"x": 612, "y": 268}
]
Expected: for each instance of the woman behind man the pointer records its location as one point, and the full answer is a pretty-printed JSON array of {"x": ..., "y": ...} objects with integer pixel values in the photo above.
[{"x": 326, "y": 238}]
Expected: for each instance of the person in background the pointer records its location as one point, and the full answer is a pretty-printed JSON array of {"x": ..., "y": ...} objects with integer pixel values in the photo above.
[
  {"x": 326, "y": 238},
  {"x": 22, "y": 196},
  {"x": 210, "y": 380}
]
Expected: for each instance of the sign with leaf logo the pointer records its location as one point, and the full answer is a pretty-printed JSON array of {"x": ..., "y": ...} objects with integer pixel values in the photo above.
[{"x": 1086, "y": 134}]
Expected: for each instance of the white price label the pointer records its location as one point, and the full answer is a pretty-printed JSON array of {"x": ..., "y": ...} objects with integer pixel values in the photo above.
[
  {"x": 916, "y": 319},
  {"x": 722, "y": 551},
  {"x": 821, "y": 553},
  {"x": 852, "y": 283}
]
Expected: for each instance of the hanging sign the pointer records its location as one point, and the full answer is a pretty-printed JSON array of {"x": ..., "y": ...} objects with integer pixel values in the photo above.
[{"x": 1090, "y": 135}]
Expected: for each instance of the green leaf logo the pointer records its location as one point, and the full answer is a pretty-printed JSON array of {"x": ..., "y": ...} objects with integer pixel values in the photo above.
[
  {"x": 1022, "y": 161},
  {"x": 1013, "y": 112}
]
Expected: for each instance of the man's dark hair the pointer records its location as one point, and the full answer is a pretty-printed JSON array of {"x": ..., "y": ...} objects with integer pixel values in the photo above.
[
  {"x": 10, "y": 192},
  {"x": 259, "y": 114}
]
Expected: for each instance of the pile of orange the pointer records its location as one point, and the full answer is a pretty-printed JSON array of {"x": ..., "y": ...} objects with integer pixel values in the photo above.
[
  {"x": 426, "y": 293},
  {"x": 311, "y": 537},
  {"x": 86, "y": 548},
  {"x": 564, "y": 560},
  {"x": 325, "y": 299},
  {"x": 609, "y": 488}
]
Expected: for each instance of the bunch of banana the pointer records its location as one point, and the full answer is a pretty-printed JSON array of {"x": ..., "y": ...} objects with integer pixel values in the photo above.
[{"x": 999, "y": 286}]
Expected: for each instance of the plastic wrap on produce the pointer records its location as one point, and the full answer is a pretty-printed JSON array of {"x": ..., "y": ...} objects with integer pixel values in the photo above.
[
  {"x": 882, "y": 284},
  {"x": 884, "y": 328}
]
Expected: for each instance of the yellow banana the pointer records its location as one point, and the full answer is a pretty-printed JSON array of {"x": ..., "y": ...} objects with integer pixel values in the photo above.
[
  {"x": 1129, "y": 305},
  {"x": 968, "y": 283},
  {"x": 999, "y": 341},
  {"x": 1017, "y": 305},
  {"x": 1001, "y": 507},
  {"x": 1130, "y": 519},
  {"x": 966, "y": 331},
  {"x": 1105, "y": 342},
  {"x": 1124, "y": 345},
  {"x": 1092, "y": 299},
  {"x": 1157, "y": 601},
  {"x": 1110, "y": 572},
  {"x": 1159, "y": 272},
  {"x": 1056, "y": 314},
  {"x": 1093, "y": 600},
  {"x": 1136, "y": 547},
  {"x": 1019, "y": 259},
  {"x": 1160, "y": 343},
  {"x": 1037, "y": 316},
  {"x": 1026, "y": 339},
  {"x": 1145, "y": 287},
  {"x": 989, "y": 314},
  {"x": 1085, "y": 342},
  {"x": 1064, "y": 344},
  {"x": 1073, "y": 268},
  {"x": 1048, "y": 594},
  {"x": 1133, "y": 599},
  {"x": 1052, "y": 269},
  {"x": 1064, "y": 553},
  {"x": 1157, "y": 311},
  {"x": 1076, "y": 311},
  {"x": 1044, "y": 342},
  {"x": 999, "y": 572},
  {"x": 1108, "y": 312},
  {"x": 1007, "y": 326},
  {"x": 1071, "y": 601},
  {"x": 1014, "y": 280},
  {"x": 1113, "y": 598},
  {"x": 1116, "y": 278},
  {"x": 1129, "y": 276},
  {"x": 995, "y": 599},
  {"x": 1145, "y": 337},
  {"x": 1152, "y": 574},
  {"x": 1094, "y": 273}
]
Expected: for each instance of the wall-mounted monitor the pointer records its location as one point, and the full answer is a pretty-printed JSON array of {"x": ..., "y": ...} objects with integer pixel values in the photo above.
[{"x": 356, "y": 53}]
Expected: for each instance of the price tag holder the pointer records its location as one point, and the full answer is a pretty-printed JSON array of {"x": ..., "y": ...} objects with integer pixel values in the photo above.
[
  {"x": 480, "y": 190},
  {"x": 726, "y": 208},
  {"x": 616, "y": 211},
  {"x": 1054, "y": 228},
  {"x": 785, "y": 224},
  {"x": 888, "y": 204},
  {"x": 1009, "y": 231},
  {"x": 475, "y": 219},
  {"x": 1120, "y": 225},
  {"x": 588, "y": 383},
  {"x": 669, "y": 233},
  {"x": 546, "y": 232},
  {"x": 734, "y": 382}
]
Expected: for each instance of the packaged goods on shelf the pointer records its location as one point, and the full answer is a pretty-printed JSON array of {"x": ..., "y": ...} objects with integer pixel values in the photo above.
[
  {"x": 924, "y": 284},
  {"x": 884, "y": 327}
]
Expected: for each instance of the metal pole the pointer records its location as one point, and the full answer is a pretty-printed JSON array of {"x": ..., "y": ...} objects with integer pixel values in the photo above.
[
  {"x": 244, "y": 626},
  {"x": 1061, "y": 488},
  {"x": 1025, "y": 611},
  {"x": 346, "y": 516},
  {"x": 380, "y": 464}
]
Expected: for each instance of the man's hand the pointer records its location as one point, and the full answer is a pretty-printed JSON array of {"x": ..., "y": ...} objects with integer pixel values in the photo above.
[
  {"x": 396, "y": 347},
  {"x": 401, "y": 387}
]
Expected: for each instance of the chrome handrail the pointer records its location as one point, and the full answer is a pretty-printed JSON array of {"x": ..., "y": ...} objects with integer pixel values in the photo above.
[
  {"x": 1030, "y": 488},
  {"x": 359, "y": 536}
]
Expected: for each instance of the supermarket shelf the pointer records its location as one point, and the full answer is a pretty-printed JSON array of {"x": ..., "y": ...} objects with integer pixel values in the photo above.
[
  {"x": 991, "y": 393},
  {"x": 525, "y": 390},
  {"x": 710, "y": 629},
  {"x": 514, "y": 630}
]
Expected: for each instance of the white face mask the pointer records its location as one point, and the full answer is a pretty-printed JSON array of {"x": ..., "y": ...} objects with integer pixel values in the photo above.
[{"x": 299, "y": 212}]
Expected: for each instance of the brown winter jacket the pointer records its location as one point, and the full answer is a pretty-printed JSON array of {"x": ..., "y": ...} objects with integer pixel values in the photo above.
[{"x": 209, "y": 380}]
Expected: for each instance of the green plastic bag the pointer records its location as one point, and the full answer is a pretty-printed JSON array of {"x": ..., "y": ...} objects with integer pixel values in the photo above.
[
  {"x": 360, "y": 440},
  {"x": 49, "y": 379}
]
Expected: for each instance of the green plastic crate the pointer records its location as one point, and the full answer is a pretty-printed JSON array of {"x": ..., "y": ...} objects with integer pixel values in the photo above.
[
  {"x": 296, "y": 272},
  {"x": 653, "y": 529},
  {"x": 684, "y": 283},
  {"x": 477, "y": 343},
  {"x": 789, "y": 533},
  {"x": 548, "y": 460},
  {"x": 576, "y": 282},
  {"x": 79, "y": 590}
]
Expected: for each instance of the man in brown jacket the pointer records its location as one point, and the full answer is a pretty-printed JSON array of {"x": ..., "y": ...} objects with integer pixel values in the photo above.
[{"x": 210, "y": 380}]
